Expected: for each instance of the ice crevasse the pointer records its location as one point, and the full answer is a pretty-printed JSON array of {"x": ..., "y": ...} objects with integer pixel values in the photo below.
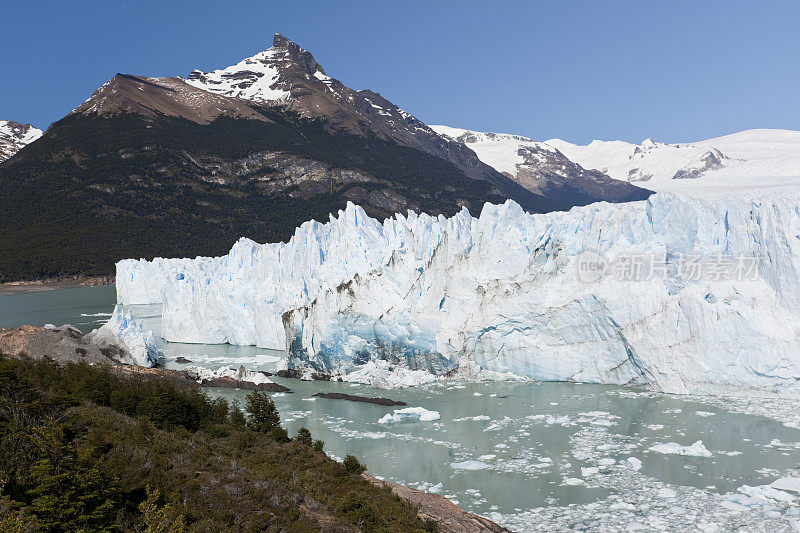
[{"x": 499, "y": 296}]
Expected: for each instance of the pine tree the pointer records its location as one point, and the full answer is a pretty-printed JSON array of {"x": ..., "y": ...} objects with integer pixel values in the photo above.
[
  {"x": 70, "y": 490},
  {"x": 160, "y": 519},
  {"x": 304, "y": 436},
  {"x": 237, "y": 416},
  {"x": 264, "y": 415}
]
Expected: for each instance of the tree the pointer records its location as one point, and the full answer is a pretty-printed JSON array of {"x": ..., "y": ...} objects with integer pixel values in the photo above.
[
  {"x": 264, "y": 416},
  {"x": 70, "y": 491},
  {"x": 237, "y": 416},
  {"x": 160, "y": 519},
  {"x": 304, "y": 437},
  {"x": 353, "y": 465}
]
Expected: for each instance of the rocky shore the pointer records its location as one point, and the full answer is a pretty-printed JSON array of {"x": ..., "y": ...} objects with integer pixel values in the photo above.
[
  {"x": 52, "y": 284},
  {"x": 449, "y": 517},
  {"x": 67, "y": 344}
]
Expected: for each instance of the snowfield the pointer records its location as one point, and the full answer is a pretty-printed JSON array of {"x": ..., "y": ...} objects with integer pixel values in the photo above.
[
  {"x": 500, "y": 296},
  {"x": 747, "y": 160}
]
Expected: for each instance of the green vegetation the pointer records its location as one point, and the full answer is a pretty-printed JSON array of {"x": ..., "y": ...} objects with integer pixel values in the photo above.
[{"x": 85, "y": 449}]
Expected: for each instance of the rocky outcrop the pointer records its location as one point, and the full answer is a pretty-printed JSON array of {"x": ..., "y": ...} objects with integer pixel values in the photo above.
[
  {"x": 67, "y": 344},
  {"x": 439, "y": 509},
  {"x": 711, "y": 160},
  {"x": 543, "y": 169},
  {"x": 363, "y": 399}
]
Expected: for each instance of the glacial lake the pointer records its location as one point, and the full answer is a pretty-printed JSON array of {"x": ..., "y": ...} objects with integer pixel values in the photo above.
[{"x": 544, "y": 456}]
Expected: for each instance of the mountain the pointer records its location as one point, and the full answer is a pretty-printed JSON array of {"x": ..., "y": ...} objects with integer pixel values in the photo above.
[
  {"x": 183, "y": 167},
  {"x": 751, "y": 159},
  {"x": 543, "y": 169},
  {"x": 14, "y": 136}
]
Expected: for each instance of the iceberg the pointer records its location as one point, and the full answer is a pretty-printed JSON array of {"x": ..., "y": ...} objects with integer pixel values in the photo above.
[
  {"x": 504, "y": 296},
  {"x": 410, "y": 414},
  {"x": 696, "y": 450},
  {"x": 124, "y": 330}
]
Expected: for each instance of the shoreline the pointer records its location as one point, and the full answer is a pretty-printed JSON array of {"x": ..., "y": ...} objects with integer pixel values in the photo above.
[{"x": 53, "y": 284}]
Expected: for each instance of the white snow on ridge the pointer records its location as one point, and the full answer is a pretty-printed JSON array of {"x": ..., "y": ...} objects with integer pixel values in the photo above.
[
  {"x": 15, "y": 136},
  {"x": 498, "y": 296},
  {"x": 253, "y": 78},
  {"x": 753, "y": 159},
  {"x": 498, "y": 150}
]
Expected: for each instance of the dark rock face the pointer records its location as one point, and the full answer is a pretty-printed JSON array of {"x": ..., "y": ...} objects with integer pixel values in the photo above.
[
  {"x": 546, "y": 171},
  {"x": 711, "y": 160},
  {"x": 363, "y": 399}
]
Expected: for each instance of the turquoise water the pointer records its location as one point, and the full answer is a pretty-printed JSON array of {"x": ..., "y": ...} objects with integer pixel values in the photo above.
[{"x": 536, "y": 445}]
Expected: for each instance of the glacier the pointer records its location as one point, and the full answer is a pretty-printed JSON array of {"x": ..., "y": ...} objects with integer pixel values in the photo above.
[
  {"x": 125, "y": 331},
  {"x": 500, "y": 296}
]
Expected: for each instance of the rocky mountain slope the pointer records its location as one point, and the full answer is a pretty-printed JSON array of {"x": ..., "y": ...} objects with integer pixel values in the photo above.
[
  {"x": 14, "y": 136},
  {"x": 751, "y": 159},
  {"x": 168, "y": 166},
  {"x": 543, "y": 169}
]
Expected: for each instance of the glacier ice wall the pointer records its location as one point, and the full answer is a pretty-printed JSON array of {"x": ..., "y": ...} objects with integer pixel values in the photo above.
[
  {"x": 125, "y": 331},
  {"x": 499, "y": 295}
]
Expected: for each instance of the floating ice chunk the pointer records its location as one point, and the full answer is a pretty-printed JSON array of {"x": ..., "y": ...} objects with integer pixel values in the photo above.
[
  {"x": 487, "y": 457},
  {"x": 787, "y": 483},
  {"x": 705, "y": 413},
  {"x": 381, "y": 375},
  {"x": 666, "y": 493},
  {"x": 588, "y": 471},
  {"x": 562, "y": 420},
  {"x": 634, "y": 463},
  {"x": 697, "y": 449},
  {"x": 733, "y": 453},
  {"x": 622, "y": 506},
  {"x": 410, "y": 414},
  {"x": 606, "y": 461},
  {"x": 470, "y": 465},
  {"x": 573, "y": 481},
  {"x": 655, "y": 427},
  {"x": 201, "y": 374},
  {"x": 767, "y": 492},
  {"x": 477, "y": 418},
  {"x": 501, "y": 446}
]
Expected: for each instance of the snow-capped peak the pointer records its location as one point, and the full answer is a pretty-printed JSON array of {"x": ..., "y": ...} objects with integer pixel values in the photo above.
[
  {"x": 254, "y": 78},
  {"x": 14, "y": 136}
]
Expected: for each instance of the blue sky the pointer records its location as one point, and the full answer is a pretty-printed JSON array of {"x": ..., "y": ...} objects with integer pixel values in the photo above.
[{"x": 577, "y": 70}]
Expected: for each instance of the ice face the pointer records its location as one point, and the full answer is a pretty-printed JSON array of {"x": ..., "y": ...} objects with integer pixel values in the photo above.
[
  {"x": 501, "y": 295},
  {"x": 125, "y": 331}
]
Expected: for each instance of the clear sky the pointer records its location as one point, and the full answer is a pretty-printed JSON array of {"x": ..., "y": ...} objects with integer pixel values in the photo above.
[{"x": 577, "y": 70}]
